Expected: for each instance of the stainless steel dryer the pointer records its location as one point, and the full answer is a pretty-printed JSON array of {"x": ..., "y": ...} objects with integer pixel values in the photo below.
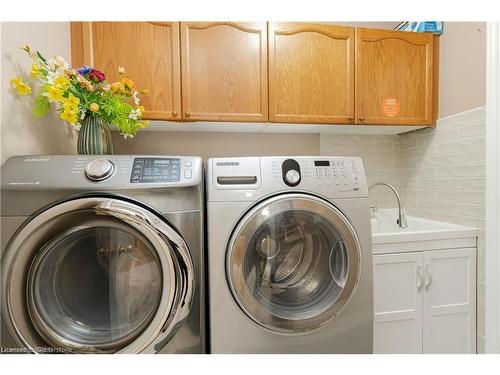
[
  {"x": 289, "y": 254},
  {"x": 102, "y": 254}
]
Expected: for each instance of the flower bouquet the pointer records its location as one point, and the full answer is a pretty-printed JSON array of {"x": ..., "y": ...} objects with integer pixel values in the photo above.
[{"x": 84, "y": 99}]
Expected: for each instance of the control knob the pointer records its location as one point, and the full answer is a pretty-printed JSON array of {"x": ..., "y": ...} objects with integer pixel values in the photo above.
[
  {"x": 292, "y": 177},
  {"x": 99, "y": 169}
]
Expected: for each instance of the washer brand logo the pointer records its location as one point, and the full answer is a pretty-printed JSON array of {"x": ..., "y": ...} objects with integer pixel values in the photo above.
[
  {"x": 36, "y": 159},
  {"x": 227, "y": 163}
]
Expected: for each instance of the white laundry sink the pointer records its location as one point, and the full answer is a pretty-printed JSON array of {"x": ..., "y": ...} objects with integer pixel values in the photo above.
[{"x": 432, "y": 234}]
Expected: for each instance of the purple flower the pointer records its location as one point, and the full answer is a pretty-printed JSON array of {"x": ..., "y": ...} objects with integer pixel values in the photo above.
[{"x": 84, "y": 70}]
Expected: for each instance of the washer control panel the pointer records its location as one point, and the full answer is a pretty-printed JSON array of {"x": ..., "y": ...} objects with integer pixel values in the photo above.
[
  {"x": 158, "y": 170},
  {"x": 339, "y": 172}
]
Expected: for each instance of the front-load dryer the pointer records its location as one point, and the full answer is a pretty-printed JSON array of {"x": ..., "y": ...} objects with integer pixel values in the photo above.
[
  {"x": 102, "y": 254},
  {"x": 289, "y": 255}
]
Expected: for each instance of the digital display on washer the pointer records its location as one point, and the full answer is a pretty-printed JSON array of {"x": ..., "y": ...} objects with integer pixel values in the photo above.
[
  {"x": 156, "y": 170},
  {"x": 321, "y": 163}
]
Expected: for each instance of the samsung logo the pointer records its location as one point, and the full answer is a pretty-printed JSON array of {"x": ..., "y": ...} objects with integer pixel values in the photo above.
[
  {"x": 227, "y": 163},
  {"x": 36, "y": 159}
]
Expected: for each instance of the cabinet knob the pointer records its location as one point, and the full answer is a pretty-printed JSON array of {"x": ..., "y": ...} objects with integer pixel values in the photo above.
[
  {"x": 187, "y": 114},
  {"x": 361, "y": 118},
  {"x": 351, "y": 118},
  {"x": 174, "y": 113}
]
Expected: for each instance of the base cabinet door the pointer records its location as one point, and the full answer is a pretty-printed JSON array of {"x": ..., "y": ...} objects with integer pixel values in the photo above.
[
  {"x": 449, "y": 307},
  {"x": 398, "y": 287}
]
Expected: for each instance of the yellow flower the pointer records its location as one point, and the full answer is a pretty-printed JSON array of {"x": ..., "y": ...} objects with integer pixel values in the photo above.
[
  {"x": 62, "y": 82},
  {"x": 36, "y": 70},
  {"x": 94, "y": 107},
  {"x": 54, "y": 93},
  {"x": 141, "y": 109},
  {"x": 128, "y": 83},
  {"x": 21, "y": 87},
  {"x": 69, "y": 116},
  {"x": 117, "y": 87},
  {"x": 71, "y": 103}
]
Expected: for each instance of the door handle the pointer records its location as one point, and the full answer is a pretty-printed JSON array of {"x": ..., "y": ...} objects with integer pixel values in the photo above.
[
  {"x": 419, "y": 279},
  {"x": 428, "y": 276}
]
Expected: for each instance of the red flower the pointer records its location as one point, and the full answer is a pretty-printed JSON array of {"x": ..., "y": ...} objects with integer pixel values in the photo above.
[{"x": 97, "y": 76}]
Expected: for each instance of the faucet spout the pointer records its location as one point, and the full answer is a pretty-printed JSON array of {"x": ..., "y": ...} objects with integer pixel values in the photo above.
[{"x": 401, "y": 214}]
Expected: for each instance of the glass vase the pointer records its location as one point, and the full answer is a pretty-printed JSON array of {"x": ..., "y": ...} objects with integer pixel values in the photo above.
[{"x": 94, "y": 137}]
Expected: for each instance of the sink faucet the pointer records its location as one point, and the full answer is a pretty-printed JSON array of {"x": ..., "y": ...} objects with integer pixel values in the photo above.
[{"x": 402, "y": 218}]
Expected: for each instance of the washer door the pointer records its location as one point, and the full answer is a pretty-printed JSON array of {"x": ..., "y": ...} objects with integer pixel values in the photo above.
[
  {"x": 292, "y": 263},
  {"x": 96, "y": 274}
]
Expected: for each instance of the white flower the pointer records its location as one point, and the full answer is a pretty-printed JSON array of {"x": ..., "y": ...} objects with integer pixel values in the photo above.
[
  {"x": 77, "y": 126},
  {"x": 134, "y": 114},
  {"x": 51, "y": 75},
  {"x": 125, "y": 135},
  {"x": 136, "y": 98}
]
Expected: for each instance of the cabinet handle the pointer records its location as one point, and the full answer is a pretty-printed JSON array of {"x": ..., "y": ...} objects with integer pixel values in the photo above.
[
  {"x": 428, "y": 277},
  {"x": 419, "y": 279},
  {"x": 351, "y": 119},
  {"x": 174, "y": 113},
  {"x": 187, "y": 114},
  {"x": 361, "y": 118}
]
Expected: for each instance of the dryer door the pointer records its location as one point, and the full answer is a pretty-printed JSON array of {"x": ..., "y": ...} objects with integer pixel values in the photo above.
[
  {"x": 96, "y": 274},
  {"x": 293, "y": 262}
]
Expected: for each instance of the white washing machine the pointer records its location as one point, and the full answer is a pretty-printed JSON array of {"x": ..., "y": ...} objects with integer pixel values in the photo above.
[
  {"x": 102, "y": 254},
  {"x": 289, "y": 254}
]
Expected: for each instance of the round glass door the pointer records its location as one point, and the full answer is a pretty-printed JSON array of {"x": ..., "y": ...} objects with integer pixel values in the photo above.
[
  {"x": 96, "y": 287},
  {"x": 293, "y": 262},
  {"x": 96, "y": 275}
]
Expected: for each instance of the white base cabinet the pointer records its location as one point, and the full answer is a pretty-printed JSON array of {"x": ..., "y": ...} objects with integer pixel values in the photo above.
[{"x": 425, "y": 302}]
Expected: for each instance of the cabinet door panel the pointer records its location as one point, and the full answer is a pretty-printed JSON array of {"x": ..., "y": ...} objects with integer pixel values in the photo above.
[
  {"x": 224, "y": 71},
  {"x": 398, "y": 287},
  {"x": 394, "y": 77},
  {"x": 149, "y": 52},
  {"x": 311, "y": 73},
  {"x": 450, "y": 301}
]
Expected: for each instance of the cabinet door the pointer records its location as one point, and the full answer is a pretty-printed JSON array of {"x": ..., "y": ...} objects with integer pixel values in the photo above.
[
  {"x": 450, "y": 301},
  {"x": 311, "y": 73},
  {"x": 224, "y": 71},
  {"x": 149, "y": 52},
  {"x": 398, "y": 287},
  {"x": 394, "y": 77}
]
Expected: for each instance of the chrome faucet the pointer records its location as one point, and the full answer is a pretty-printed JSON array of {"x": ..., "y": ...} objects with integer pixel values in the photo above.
[{"x": 402, "y": 218}]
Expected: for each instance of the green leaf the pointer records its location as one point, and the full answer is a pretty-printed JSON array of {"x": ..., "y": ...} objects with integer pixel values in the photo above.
[
  {"x": 41, "y": 105},
  {"x": 41, "y": 57}
]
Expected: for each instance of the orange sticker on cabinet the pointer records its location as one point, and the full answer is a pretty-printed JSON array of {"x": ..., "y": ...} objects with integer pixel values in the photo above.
[{"x": 390, "y": 107}]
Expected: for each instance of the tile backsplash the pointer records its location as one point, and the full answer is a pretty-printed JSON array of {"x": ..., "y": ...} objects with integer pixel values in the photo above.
[
  {"x": 440, "y": 174},
  {"x": 444, "y": 179},
  {"x": 382, "y": 159}
]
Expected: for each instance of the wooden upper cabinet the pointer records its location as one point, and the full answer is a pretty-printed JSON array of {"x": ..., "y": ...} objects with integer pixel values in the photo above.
[
  {"x": 396, "y": 77},
  {"x": 149, "y": 52},
  {"x": 311, "y": 73},
  {"x": 224, "y": 71}
]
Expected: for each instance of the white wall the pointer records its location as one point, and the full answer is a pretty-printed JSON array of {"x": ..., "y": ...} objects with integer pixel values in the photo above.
[
  {"x": 462, "y": 67},
  {"x": 20, "y": 132}
]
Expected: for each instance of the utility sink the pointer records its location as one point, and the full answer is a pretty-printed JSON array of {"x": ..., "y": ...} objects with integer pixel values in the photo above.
[{"x": 385, "y": 230}]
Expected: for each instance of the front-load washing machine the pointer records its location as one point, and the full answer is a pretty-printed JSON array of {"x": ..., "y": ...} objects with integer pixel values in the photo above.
[
  {"x": 102, "y": 254},
  {"x": 289, "y": 255}
]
